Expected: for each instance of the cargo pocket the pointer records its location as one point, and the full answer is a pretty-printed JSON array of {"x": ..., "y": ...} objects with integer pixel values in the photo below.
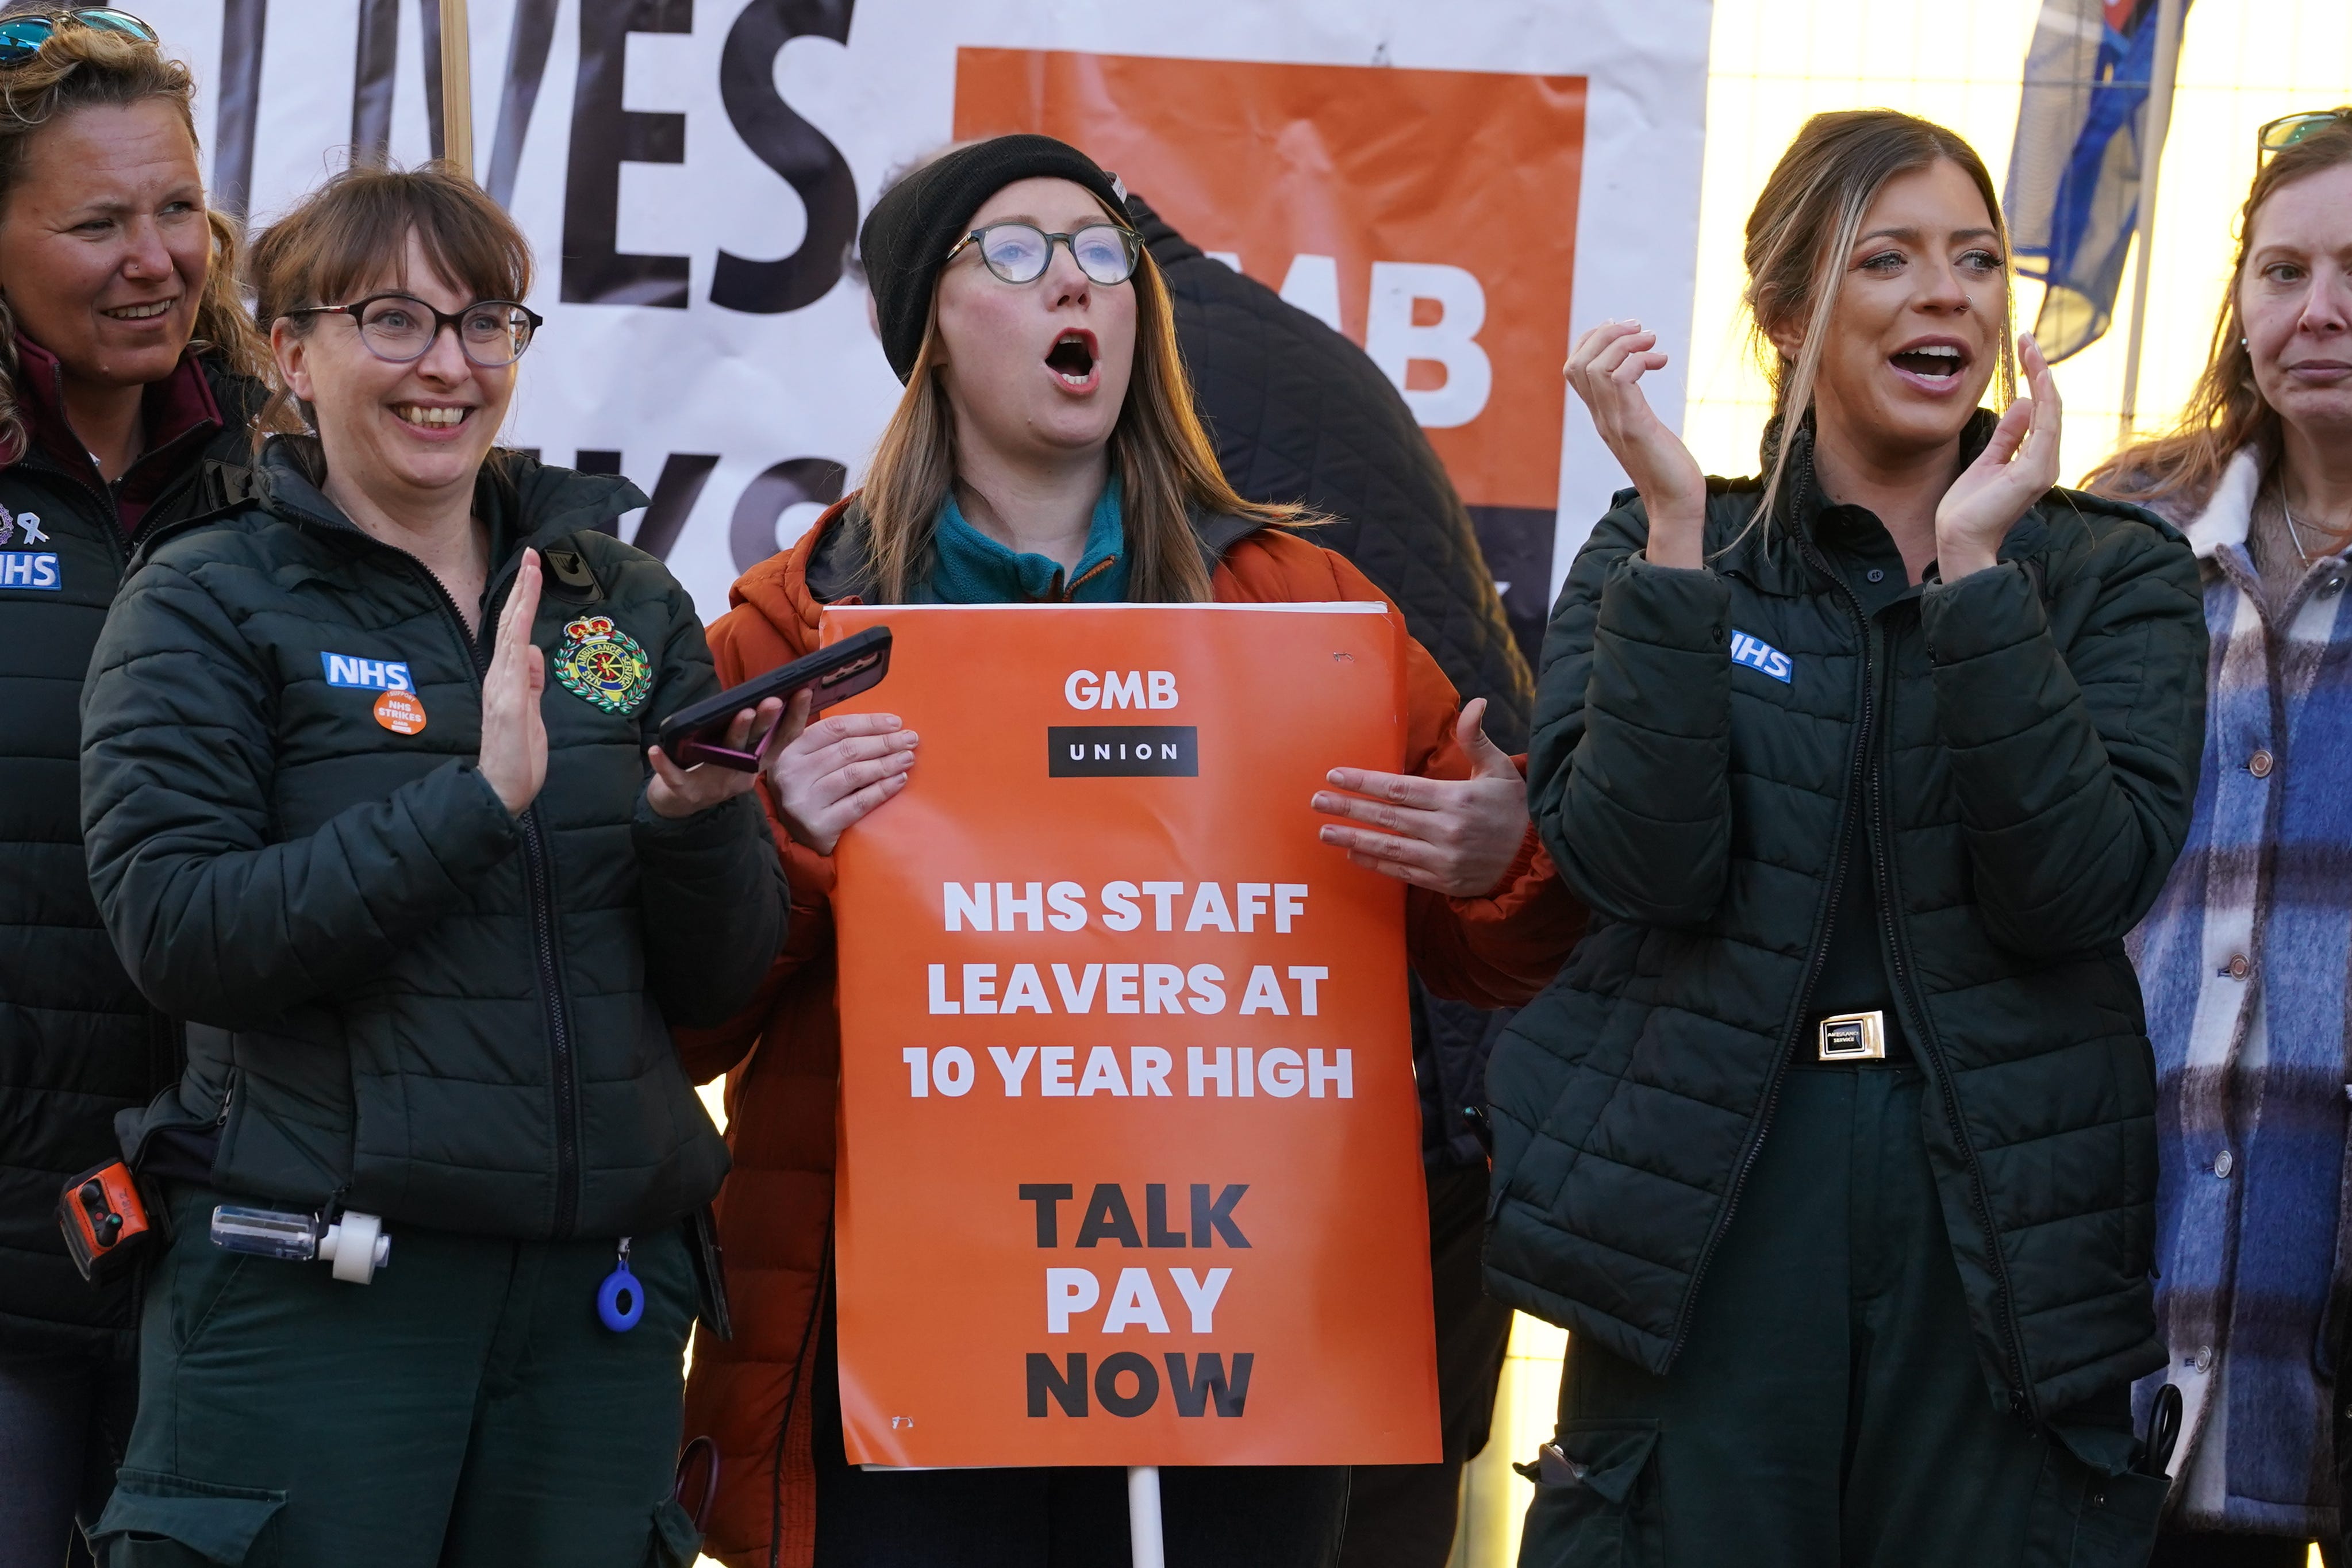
[
  {"x": 2117, "y": 1528},
  {"x": 157, "y": 1521},
  {"x": 676, "y": 1543},
  {"x": 1600, "y": 1509},
  {"x": 2091, "y": 1509}
]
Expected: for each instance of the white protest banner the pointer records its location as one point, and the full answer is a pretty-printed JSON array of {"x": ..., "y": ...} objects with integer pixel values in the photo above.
[{"x": 692, "y": 173}]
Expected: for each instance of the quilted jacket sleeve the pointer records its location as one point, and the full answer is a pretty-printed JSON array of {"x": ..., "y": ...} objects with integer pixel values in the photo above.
[
  {"x": 1628, "y": 766},
  {"x": 712, "y": 896},
  {"x": 216, "y": 923},
  {"x": 806, "y": 952},
  {"x": 2074, "y": 730}
]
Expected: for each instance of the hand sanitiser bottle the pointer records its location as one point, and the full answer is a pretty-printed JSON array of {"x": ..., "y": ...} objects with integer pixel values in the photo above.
[{"x": 355, "y": 1243}]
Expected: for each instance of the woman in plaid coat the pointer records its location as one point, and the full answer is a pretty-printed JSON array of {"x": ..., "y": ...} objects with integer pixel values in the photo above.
[{"x": 2245, "y": 959}]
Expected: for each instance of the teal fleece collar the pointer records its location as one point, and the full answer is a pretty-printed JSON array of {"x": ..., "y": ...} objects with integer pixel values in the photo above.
[{"x": 970, "y": 568}]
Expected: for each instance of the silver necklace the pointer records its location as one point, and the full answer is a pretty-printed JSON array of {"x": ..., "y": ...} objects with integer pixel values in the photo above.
[{"x": 2294, "y": 532}]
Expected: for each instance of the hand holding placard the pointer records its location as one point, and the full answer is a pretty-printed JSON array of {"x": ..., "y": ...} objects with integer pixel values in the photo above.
[{"x": 831, "y": 772}]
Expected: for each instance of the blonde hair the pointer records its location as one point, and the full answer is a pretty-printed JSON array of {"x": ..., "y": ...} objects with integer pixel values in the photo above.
[
  {"x": 2226, "y": 411},
  {"x": 1163, "y": 459},
  {"x": 1802, "y": 230},
  {"x": 80, "y": 68}
]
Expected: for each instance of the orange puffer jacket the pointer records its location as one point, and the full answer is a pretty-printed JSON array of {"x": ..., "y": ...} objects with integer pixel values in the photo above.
[{"x": 783, "y": 1054}]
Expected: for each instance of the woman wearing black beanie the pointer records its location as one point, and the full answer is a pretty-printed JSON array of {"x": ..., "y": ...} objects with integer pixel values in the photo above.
[{"x": 1046, "y": 451}]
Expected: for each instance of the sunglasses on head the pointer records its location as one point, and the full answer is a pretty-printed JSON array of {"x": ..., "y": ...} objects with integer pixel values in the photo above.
[
  {"x": 2278, "y": 135},
  {"x": 23, "y": 33}
]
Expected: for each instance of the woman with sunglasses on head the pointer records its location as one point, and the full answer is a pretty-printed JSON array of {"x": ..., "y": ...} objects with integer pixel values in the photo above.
[
  {"x": 1833, "y": 1143},
  {"x": 371, "y": 802},
  {"x": 2243, "y": 958},
  {"x": 1046, "y": 451},
  {"x": 127, "y": 371}
]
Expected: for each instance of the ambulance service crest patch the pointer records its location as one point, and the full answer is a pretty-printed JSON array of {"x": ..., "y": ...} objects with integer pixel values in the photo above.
[{"x": 603, "y": 666}]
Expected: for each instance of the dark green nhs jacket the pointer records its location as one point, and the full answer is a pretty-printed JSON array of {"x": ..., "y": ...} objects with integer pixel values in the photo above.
[
  {"x": 400, "y": 997},
  {"x": 2020, "y": 748},
  {"x": 77, "y": 1043}
]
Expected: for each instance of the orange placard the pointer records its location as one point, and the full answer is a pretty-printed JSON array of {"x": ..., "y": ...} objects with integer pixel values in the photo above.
[
  {"x": 1129, "y": 1170},
  {"x": 1430, "y": 214}
]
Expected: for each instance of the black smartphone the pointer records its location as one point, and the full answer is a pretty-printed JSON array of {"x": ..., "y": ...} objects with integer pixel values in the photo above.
[{"x": 835, "y": 674}]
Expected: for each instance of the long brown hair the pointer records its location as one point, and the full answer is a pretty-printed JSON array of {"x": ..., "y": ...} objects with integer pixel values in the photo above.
[
  {"x": 1166, "y": 466},
  {"x": 2226, "y": 411},
  {"x": 344, "y": 234},
  {"x": 89, "y": 68},
  {"x": 1802, "y": 230}
]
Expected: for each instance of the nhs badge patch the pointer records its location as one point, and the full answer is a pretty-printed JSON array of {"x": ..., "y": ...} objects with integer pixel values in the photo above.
[
  {"x": 1760, "y": 657},
  {"x": 368, "y": 674},
  {"x": 24, "y": 569}
]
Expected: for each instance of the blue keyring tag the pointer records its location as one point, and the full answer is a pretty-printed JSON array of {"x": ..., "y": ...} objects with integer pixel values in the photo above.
[{"x": 621, "y": 1301}]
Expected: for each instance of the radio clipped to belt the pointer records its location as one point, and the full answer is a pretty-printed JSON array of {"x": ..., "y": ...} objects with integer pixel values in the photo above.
[{"x": 111, "y": 1219}]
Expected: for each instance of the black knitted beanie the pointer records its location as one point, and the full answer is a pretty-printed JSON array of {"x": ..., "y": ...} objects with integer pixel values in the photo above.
[{"x": 908, "y": 234}]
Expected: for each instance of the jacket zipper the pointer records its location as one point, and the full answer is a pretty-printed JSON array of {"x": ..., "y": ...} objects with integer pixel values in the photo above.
[
  {"x": 550, "y": 991},
  {"x": 109, "y": 515},
  {"x": 123, "y": 549},
  {"x": 2020, "y": 1392},
  {"x": 167, "y": 1052},
  {"x": 1780, "y": 1055},
  {"x": 1788, "y": 1044},
  {"x": 538, "y": 893},
  {"x": 537, "y": 889}
]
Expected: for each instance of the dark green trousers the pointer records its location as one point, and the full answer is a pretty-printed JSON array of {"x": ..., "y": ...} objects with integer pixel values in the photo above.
[
  {"x": 466, "y": 1409},
  {"x": 1828, "y": 1409}
]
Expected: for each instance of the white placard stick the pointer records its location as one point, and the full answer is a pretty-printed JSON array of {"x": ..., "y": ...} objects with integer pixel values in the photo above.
[{"x": 1146, "y": 1546}]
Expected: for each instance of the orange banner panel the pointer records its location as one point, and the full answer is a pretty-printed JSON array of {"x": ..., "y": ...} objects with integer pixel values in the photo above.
[
  {"x": 1430, "y": 214},
  {"x": 1129, "y": 1169}
]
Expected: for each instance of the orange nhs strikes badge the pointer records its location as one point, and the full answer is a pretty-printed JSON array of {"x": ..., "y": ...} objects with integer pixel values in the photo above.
[{"x": 400, "y": 712}]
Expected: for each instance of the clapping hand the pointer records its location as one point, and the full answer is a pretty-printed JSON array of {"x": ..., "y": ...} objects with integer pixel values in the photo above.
[
  {"x": 2016, "y": 469},
  {"x": 1605, "y": 370},
  {"x": 513, "y": 759}
]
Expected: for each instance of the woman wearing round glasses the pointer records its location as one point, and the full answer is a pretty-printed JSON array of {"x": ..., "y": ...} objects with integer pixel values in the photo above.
[
  {"x": 2244, "y": 959},
  {"x": 1046, "y": 451},
  {"x": 372, "y": 803},
  {"x": 128, "y": 379}
]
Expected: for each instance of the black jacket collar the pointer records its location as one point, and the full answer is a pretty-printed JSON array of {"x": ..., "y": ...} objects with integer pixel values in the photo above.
[
  {"x": 526, "y": 501},
  {"x": 1778, "y": 564}
]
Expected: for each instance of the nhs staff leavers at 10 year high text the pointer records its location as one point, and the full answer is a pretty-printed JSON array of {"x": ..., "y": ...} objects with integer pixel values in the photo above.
[{"x": 377, "y": 916}]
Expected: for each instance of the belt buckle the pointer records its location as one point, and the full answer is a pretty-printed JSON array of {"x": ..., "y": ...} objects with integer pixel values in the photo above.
[{"x": 1853, "y": 1037}]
